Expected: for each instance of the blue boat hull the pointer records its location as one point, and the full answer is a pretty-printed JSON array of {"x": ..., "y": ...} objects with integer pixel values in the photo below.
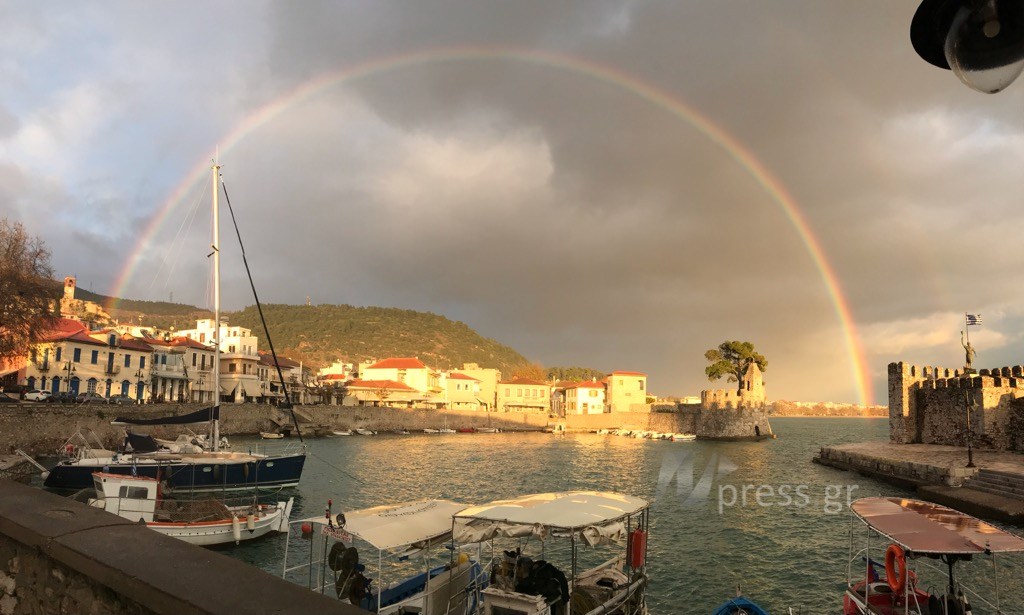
[
  {"x": 283, "y": 471},
  {"x": 738, "y": 606}
]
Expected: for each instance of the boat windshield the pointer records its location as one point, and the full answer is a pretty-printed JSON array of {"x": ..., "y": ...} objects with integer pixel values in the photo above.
[
  {"x": 926, "y": 528},
  {"x": 596, "y": 517}
]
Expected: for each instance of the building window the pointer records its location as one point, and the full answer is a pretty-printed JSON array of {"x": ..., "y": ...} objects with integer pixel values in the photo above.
[
  {"x": 593, "y": 393},
  {"x": 77, "y": 355},
  {"x": 58, "y": 353},
  {"x": 641, "y": 384},
  {"x": 193, "y": 359},
  {"x": 231, "y": 367},
  {"x": 95, "y": 357},
  {"x": 231, "y": 348},
  {"x": 127, "y": 360},
  {"x": 543, "y": 393},
  {"x": 202, "y": 338},
  {"x": 519, "y": 392},
  {"x": 142, "y": 362},
  {"x": 91, "y": 385}
]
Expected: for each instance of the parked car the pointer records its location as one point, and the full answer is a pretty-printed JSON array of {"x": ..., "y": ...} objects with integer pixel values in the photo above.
[
  {"x": 91, "y": 398},
  {"x": 17, "y": 391},
  {"x": 121, "y": 400},
  {"x": 7, "y": 399},
  {"x": 63, "y": 397},
  {"x": 37, "y": 395}
]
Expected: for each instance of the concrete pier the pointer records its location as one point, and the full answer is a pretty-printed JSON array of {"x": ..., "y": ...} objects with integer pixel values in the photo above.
[{"x": 993, "y": 489}]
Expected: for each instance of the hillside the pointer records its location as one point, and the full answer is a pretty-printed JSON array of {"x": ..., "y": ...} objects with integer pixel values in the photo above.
[{"x": 320, "y": 334}]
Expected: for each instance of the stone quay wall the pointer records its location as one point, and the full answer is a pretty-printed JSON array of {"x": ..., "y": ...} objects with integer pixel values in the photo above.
[
  {"x": 40, "y": 429},
  {"x": 929, "y": 405},
  {"x": 898, "y": 471},
  {"x": 62, "y": 556}
]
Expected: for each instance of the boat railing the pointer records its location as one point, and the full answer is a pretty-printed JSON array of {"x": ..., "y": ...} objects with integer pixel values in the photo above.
[
  {"x": 187, "y": 511},
  {"x": 972, "y": 594},
  {"x": 277, "y": 449}
]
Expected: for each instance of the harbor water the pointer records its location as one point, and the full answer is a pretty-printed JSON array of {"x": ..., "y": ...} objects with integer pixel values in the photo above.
[{"x": 760, "y": 516}]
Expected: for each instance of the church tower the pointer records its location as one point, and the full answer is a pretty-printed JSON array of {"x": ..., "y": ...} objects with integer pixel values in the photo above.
[
  {"x": 69, "y": 288},
  {"x": 752, "y": 387}
]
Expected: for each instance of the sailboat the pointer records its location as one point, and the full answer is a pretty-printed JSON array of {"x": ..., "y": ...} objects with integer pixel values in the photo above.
[{"x": 213, "y": 470}]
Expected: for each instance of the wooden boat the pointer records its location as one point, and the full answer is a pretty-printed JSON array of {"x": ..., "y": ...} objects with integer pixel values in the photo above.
[
  {"x": 603, "y": 521},
  {"x": 683, "y": 437},
  {"x": 205, "y": 522},
  {"x": 345, "y": 432},
  {"x": 365, "y": 557},
  {"x": 365, "y": 432},
  {"x": 467, "y": 430},
  {"x": 916, "y": 532},
  {"x": 740, "y": 605},
  {"x": 267, "y": 435},
  {"x": 487, "y": 430}
]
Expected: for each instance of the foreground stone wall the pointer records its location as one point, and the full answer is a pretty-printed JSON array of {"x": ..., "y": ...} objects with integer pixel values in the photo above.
[{"x": 61, "y": 556}]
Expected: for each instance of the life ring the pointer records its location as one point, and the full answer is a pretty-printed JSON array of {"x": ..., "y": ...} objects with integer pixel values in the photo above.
[{"x": 896, "y": 568}]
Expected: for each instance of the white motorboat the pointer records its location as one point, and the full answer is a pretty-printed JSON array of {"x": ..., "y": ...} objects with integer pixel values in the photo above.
[
  {"x": 344, "y": 432},
  {"x": 393, "y": 536},
  {"x": 682, "y": 437},
  {"x": 206, "y": 522},
  {"x": 428, "y": 430},
  {"x": 602, "y": 520},
  {"x": 487, "y": 430},
  {"x": 365, "y": 432},
  {"x": 269, "y": 435},
  {"x": 446, "y": 430}
]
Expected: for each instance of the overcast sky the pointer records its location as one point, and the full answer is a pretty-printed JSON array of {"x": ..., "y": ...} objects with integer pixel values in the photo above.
[{"x": 538, "y": 170}]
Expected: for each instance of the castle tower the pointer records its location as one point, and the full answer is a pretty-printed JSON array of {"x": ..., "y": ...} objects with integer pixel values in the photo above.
[
  {"x": 752, "y": 387},
  {"x": 69, "y": 287}
]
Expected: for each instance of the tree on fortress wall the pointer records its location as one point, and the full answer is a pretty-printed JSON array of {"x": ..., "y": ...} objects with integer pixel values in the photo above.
[
  {"x": 731, "y": 359},
  {"x": 27, "y": 290}
]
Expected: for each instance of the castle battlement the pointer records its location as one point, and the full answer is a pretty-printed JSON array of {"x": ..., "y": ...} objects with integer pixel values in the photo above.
[{"x": 929, "y": 404}]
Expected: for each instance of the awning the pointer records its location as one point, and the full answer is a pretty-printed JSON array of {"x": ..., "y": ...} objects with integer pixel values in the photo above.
[
  {"x": 926, "y": 528},
  {"x": 597, "y": 517},
  {"x": 251, "y": 388},
  {"x": 228, "y": 388},
  {"x": 418, "y": 524}
]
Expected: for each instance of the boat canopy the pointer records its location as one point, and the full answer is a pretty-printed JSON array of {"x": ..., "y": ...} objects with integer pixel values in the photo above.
[
  {"x": 926, "y": 528},
  {"x": 199, "y": 416},
  {"x": 413, "y": 524},
  {"x": 595, "y": 516}
]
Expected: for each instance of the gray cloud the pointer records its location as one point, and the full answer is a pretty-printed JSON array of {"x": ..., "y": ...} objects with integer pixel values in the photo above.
[{"x": 557, "y": 212}]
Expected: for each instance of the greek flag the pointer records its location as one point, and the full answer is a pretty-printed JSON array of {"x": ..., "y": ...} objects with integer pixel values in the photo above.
[{"x": 973, "y": 319}]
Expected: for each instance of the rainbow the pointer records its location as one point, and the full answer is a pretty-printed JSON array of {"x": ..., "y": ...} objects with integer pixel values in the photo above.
[{"x": 610, "y": 75}]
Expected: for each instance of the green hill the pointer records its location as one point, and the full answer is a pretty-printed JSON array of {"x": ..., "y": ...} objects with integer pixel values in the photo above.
[{"x": 320, "y": 334}]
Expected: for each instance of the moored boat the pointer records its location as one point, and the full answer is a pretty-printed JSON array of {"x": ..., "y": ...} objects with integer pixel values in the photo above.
[
  {"x": 365, "y": 432},
  {"x": 522, "y": 585},
  {"x": 740, "y": 605},
  {"x": 428, "y": 430},
  {"x": 342, "y": 432},
  {"x": 919, "y": 533},
  {"x": 206, "y": 522},
  {"x": 269, "y": 435},
  {"x": 683, "y": 437},
  {"x": 365, "y": 558},
  {"x": 487, "y": 430}
]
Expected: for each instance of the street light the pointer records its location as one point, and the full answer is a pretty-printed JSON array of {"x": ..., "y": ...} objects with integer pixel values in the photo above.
[
  {"x": 69, "y": 367},
  {"x": 981, "y": 41}
]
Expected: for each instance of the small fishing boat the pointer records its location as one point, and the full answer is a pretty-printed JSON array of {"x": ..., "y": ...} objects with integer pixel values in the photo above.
[
  {"x": 487, "y": 430},
  {"x": 467, "y": 430},
  {"x": 446, "y": 430},
  {"x": 919, "y": 533},
  {"x": 342, "y": 432},
  {"x": 365, "y": 432},
  {"x": 602, "y": 521},
  {"x": 740, "y": 605},
  {"x": 206, "y": 522},
  {"x": 428, "y": 430},
  {"x": 365, "y": 557},
  {"x": 268, "y": 435},
  {"x": 683, "y": 437}
]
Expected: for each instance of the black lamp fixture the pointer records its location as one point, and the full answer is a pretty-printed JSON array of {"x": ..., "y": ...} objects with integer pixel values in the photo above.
[{"x": 981, "y": 41}]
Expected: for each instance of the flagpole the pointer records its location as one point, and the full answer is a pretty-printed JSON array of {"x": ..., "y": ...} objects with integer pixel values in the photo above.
[{"x": 967, "y": 327}]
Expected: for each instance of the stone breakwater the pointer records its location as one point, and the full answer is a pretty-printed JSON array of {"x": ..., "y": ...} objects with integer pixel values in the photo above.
[{"x": 40, "y": 429}]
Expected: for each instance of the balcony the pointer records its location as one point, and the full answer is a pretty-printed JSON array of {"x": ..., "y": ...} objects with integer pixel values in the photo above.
[
  {"x": 42, "y": 366},
  {"x": 112, "y": 370}
]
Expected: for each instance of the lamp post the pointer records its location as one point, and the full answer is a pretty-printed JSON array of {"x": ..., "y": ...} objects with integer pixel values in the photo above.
[
  {"x": 69, "y": 367},
  {"x": 139, "y": 375},
  {"x": 969, "y": 402}
]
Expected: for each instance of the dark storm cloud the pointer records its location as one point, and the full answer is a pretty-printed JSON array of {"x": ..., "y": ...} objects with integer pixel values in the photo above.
[{"x": 559, "y": 213}]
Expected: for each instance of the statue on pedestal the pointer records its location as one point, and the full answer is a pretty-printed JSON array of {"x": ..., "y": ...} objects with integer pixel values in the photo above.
[{"x": 968, "y": 352}]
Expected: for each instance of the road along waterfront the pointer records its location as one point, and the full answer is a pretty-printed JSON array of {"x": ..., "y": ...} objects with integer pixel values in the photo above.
[{"x": 756, "y": 514}]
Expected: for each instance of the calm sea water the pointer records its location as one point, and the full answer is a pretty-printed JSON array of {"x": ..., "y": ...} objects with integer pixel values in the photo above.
[{"x": 790, "y": 549}]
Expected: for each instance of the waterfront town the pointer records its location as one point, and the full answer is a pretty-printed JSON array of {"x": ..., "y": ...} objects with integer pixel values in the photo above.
[{"x": 131, "y": 364}]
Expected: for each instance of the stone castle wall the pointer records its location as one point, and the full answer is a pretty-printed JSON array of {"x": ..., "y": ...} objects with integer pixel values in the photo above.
[{"x": 929, "y": 405}]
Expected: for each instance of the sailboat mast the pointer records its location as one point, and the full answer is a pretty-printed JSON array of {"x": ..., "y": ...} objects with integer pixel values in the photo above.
[{"x": 216, "y": 307}]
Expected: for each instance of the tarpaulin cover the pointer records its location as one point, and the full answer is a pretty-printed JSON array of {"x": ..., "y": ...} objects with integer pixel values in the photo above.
[{"x": 199, "y": 416}]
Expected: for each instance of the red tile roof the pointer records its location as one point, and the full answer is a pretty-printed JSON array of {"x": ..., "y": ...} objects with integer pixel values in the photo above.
[
  {"x": 458, "y": 376},
  {"x": 334, "y": 377},
  {"x": 629, "y": 374},
  {"x": 587, "y": 384},
  {"x": 188, "y": 342},
  {"x": 389, "y": 385},
  {"x": 284, "y": 362},
  {"x": 128, "y": 343},
  {"x": 399, "y": 363},
  {"x": 62, "y": 329}
]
